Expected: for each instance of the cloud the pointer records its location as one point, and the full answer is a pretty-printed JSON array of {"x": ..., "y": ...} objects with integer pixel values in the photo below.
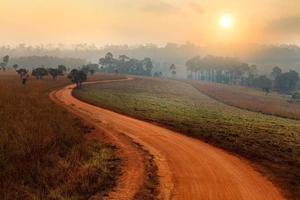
[
  {"x": 160, "y": 7},
  {"x": 288, "y": 25},
  {"x": 196, "y": 7}
]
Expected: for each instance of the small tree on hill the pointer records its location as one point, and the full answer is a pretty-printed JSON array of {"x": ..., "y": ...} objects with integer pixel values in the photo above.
[
  {"x": 90, "y": 68},
  {"x": 22, "y": 72},
  {"x": 78, "y": 77},
  {"x": 264, "y": 83},
  {"x": 16, "y": 66},
  {"x": 39, "y": 73},
  {"x": 276, "y": 72},
  {"x": 62, "y": 68},
  {"x": 287, "y": 82},
  {"x": 55, "y": 72},
  {"x": 173, "y": 70},
  {"x": 148, "y": 66},
  {"x": 4, "y": 63}
]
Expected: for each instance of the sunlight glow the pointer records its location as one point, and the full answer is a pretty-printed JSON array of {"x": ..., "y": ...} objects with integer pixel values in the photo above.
[{"x": 226, "y": 21}]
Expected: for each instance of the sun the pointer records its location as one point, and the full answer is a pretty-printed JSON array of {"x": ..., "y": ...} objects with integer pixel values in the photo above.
[{"x": 226, "y": 21}]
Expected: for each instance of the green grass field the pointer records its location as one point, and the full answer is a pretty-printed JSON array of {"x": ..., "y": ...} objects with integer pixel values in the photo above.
[
  {"x": 44, "y": 151},
  {"x": 271, "y": 142}
]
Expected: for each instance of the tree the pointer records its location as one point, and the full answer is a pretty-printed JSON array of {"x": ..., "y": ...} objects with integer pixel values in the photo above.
[
  {"x": 276, "y": 72},
  {"x": 157, "y": 74},
  {"x": 62, "y": 68},
  {"x": 3, "y": 64},
  {"x": 296, "y": 96},
  {"x": 90, "y": 68},
  {"x": 148, "y": 65},
  {"x": 39, "y": 73},
  {"x": 173, "y": 70},
  {"x": 126, "y": 65},
  {"x": 25, "y": 78},
  {"x": 287, "y": 82},
  {"x": 55, "y": 72},
  {"x": 194, "y": 65},
  {"x": 264, "y": 83},
  {"x": 123, "y": 58},
  {"x": 78, "y": 77},
  {"x": 6, "y": 59},
  {"x": 16, "y": 66},
  {"x": 22, "y": 72},
  {"x": 218, "y": 69}
]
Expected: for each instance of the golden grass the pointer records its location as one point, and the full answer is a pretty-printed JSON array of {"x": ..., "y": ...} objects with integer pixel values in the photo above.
[{"x": 43, "y": 150}]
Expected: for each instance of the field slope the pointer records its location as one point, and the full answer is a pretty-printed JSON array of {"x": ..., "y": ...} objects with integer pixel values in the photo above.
[
  {"x": 250, "y": 99},
  {"x": 269, "y": 141}
]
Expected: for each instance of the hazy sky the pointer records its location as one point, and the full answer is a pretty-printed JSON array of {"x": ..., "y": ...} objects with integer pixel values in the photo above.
[{"x": 148, "y": 21}]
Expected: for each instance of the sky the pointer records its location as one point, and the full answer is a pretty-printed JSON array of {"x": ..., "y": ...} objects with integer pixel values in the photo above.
[{"x": 132, "y": 22}]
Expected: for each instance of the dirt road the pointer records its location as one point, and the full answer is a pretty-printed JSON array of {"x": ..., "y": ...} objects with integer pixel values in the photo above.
[{"x": 188, "y": 168}]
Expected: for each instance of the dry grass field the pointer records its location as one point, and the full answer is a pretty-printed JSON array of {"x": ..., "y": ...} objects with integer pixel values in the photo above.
[
  {"x": 250, "y": 99},
  {"x": 272, "y": 143},
  {"x": 44, "y": 151}
]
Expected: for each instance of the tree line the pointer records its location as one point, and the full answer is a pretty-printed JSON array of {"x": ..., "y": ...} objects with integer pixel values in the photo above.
[
  {"x": 77, "y": 76},
  {"x": 126, "y": 65},
  {"x": 229, "y": 70}
]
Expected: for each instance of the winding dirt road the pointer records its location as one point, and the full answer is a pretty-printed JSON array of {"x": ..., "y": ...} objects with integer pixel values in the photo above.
[{"x": 188, "y": 168}]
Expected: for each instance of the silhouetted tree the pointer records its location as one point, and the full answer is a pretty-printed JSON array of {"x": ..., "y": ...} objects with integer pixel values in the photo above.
[
  {"x": 287, "y": 82},
  {"x": 39, "y": 73},
  {"x": 148, "y": 66},
  {"x": 24, "y": 78},
  {"x": 62, "y": 68},
  {"x": 4, "y": 63},
  {"x": 16, "y": 66},
  {"x": 21, "y": 72},
  {"x": 173, "y": 70},
  {"x": 157, "y": 74},
  {"x": 264, "y": 83},
  {"x": 126, "y": 65},
  {"x": 276, "y": 72},
  {"x": 218, "y": 69},
  {"x": 78, "y": 77},
  {"x": 90, "y": 68},
  {"x": 55, "y": 72}
]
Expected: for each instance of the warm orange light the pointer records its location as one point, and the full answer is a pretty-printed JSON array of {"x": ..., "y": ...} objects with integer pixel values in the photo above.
[{"x": 226, "y": 21}]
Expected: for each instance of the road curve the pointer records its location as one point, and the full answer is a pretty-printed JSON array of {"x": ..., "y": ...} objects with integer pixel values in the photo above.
[{"x": 188, "y": 168}]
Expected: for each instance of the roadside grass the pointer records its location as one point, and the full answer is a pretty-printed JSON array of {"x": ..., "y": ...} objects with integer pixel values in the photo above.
[
  {"x": 44, "y": 151},
  {"x": 272, "y": 143},
  {"x": 250, "y": 99}
]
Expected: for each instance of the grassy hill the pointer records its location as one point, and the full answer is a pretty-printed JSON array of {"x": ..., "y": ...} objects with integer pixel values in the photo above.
[
  {"x": 251, "y": 99},
  {"x": 270, "y": 142}
]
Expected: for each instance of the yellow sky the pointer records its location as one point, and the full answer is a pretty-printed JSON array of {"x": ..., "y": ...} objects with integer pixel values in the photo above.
[{"x": 147, "y": 21}]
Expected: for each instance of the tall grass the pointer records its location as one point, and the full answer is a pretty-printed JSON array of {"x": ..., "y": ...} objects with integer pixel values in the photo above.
[{"x": 44, "y": 153}]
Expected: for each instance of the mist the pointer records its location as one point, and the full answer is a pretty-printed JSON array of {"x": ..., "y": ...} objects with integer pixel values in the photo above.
[{"x": 265, "y": 57}]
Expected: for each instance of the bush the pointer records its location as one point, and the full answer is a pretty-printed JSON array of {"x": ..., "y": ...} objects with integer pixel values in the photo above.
[{"x": 296, "y": 96}]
